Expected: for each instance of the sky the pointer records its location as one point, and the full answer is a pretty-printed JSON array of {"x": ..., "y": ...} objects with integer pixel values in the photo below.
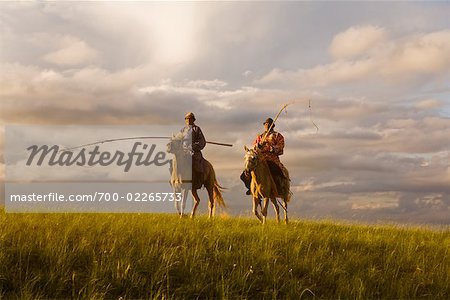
[{"x": 377, "y": 75}]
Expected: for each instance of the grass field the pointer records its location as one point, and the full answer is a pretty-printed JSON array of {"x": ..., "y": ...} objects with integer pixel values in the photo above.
[{"x": 162, "y": 256}]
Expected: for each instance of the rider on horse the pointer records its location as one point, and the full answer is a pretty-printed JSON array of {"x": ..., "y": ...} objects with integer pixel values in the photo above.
[
  {"x": 271, "y": 145},
  {"x": 194, "y": 142}
]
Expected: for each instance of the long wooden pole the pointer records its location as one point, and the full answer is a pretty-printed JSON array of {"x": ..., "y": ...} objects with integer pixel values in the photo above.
[
  {"x": 273, "y": 123},
  {"x": 136, "y": 138}
]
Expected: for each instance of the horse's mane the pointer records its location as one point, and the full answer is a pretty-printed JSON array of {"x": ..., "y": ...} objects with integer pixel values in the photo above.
[{"x": 177, "y": 137}]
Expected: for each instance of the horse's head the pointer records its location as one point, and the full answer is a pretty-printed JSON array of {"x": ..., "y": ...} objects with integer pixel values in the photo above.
[
  {"x": 175, "y": 144},
  {"x": 250, "y": 158}
]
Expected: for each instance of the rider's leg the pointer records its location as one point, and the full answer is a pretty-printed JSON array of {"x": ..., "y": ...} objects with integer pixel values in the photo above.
[{"x": 246, "y": 178}]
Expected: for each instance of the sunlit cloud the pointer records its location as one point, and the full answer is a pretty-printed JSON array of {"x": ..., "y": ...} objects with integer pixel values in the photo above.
[
  {"x": 391, "y": 60},
  {"x": 71, "y": 52},
  {"x": 355, "y": 41},
  {"x": 378, "y": 86}
]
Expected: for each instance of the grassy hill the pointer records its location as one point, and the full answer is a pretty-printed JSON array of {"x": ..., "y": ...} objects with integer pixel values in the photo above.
[{"x": 162, "y": 256}]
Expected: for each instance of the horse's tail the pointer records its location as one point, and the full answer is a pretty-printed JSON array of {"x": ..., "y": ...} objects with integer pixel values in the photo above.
[
  {"x": 289, "y": 196},
  {"x": 217, "y": 190}
]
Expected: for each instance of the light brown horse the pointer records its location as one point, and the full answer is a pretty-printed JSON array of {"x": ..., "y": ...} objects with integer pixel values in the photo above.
[
  {"x": 263, "y": 186},
  {"x": 182, "y": 179}
]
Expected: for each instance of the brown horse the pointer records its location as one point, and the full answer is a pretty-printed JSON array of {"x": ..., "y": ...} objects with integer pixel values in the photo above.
[
  {"x": 183, "y": 179},
  {"x": 263, "y": 186}
]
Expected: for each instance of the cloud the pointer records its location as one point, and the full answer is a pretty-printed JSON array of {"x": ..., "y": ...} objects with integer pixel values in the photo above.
[
  {"x": 72, "y": 51},
  {"x": 71, "y": 88},
  {"x": 419, "y": 54},
  {"x": 2, "y": 140},
  {"x": 430, "y": 135},
  {"x": 322, "y": 75},
  {"x": 208, "y": 84},
  {"x": 356, "y": 41},
  {"x": 391, "y": 61},
  {"x": 379, "y": 92},
  {"x": 247, "y": 73},
  {"x": 113, "y": 35},
  {"x": 428, "y": 104},
  {"x": 371, "y": 201},
  {"x": 94, "y": 95}
]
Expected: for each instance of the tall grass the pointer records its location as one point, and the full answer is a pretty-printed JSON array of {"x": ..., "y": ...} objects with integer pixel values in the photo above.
[{"x": 162, "y": 256}]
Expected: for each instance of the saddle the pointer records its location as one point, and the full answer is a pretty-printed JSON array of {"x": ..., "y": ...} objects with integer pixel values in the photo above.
[
  {"x": 198, "y": 172},
  {"x": 281, "y": 182}
]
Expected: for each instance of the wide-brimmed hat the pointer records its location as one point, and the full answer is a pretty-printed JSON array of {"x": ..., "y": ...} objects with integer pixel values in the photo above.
[{"x": 189, "y": 115}]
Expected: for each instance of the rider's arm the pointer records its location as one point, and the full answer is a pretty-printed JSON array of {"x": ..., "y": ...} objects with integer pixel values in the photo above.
[
  {"x": 257, "y": 140},
  {"x": 263, "y": 146},
  {"x": 278, "y": 147},
  {"x": 200, "y": 141}
]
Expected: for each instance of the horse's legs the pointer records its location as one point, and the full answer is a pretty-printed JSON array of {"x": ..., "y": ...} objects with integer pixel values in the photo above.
[
  {"x": 177, "y": 204},
  {"x": 196, "y": 202},
  {"x": 211, "y": 201},
  {"x": 183, "y": 202},
  {"x": 264, "y": 209},
  {"x": 277, "y": 208},
  {"x": 285, "y": 212},
  {"x": 177, "y": 207},
  {"x": 256, "y": 202}
]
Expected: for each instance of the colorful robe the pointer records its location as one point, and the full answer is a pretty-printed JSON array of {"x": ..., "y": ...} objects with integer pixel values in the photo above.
[{"x": 273, "y": 148}]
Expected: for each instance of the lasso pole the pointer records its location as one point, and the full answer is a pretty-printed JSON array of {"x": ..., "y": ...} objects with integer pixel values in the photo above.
[
  {"x": 276, "y": 118},
  {"x": 136, "y": 138},
  {"x": 284, "y": 108}
]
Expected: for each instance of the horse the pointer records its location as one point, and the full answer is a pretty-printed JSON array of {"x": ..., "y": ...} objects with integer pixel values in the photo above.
[
  {"x": 183, "y": 179},
  {"x": 264, "y": 186}
]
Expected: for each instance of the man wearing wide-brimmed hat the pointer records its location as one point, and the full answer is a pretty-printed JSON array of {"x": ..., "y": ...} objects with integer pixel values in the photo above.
[
  {"x": 271, "y": 145},
  {"x": 194, "y": 142}
]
